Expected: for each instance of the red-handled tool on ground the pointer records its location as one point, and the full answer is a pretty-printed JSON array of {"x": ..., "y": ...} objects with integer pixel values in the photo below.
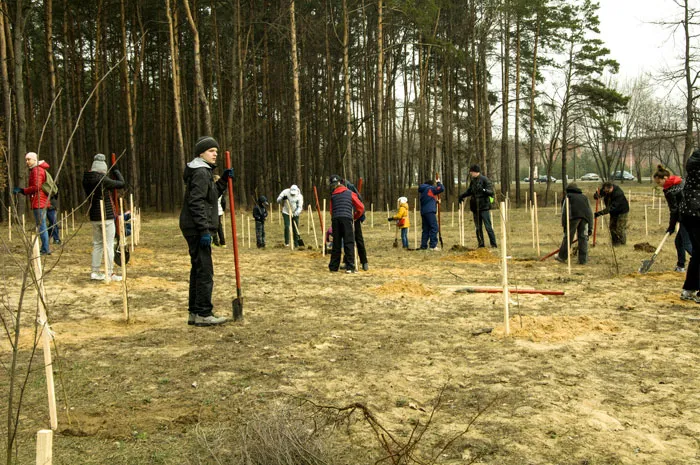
[
  {"x": 237, "y": 303},
  {"x": 646, "y": 264}
]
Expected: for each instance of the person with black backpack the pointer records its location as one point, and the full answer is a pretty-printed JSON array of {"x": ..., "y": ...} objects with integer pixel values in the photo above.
[{"x": 97, "y": 186}]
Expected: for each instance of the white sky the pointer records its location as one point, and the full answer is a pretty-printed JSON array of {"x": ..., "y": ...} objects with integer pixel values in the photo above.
[{"x": 635, "y": 43}]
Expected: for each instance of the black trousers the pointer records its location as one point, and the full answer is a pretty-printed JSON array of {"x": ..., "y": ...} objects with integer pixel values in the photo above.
[
  {"x": 483, "y": 218},
  {"x": 692, "y": 275},
  {"x": 220, "y": 237},
  {"x": 360, "y": 244},
  {"x": 343, "y": 235},
  {"x": 201, "y": 278},
  {"x": 260, "y": 233},
  {"x": 579, "y": 227}
]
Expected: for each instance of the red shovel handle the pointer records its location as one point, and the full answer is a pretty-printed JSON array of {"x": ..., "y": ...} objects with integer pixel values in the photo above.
[{"x": 233, "y": 225}]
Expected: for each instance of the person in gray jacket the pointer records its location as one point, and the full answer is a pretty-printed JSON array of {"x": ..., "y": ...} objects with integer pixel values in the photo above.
[
  {"x": 199, "y": 220},
  {"x": 291, "y": 198},
  {"x": 580, "y": 223}
]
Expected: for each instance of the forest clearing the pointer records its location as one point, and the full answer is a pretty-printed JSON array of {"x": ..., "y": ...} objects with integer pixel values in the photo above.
[{"x": 604, "y": 374}]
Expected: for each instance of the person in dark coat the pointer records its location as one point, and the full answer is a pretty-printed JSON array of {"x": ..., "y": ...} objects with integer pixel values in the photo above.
[
  {"x": 481, "y": 192},
  {"x": 52, "y": 220},
  {"x": 580, "y": 223},
  {"x": 260, "y": 214},
  {"x": 359, "y": 237},
  {"x": 98, "y": 186},
  {"x": 199, "y": 220},
  {"x": 690, "y": 218},
  {"x": 345, "y": 209},
  {"x": 428, "y": 196},
  {"x": 673, "y": 192},
  {"x": 618, "y": 207}
]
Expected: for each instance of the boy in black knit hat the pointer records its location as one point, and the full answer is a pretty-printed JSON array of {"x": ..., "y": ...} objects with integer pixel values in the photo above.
[{"x": 199, "y": 220}]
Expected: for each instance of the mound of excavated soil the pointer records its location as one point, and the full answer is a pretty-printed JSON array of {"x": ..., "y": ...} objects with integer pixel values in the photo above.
[
  {"x": 644, "y": 247},
  {"x": 403, "y": 287},
  {"x": 555, "y": 328},
  {"x": 481, "y": 255}
]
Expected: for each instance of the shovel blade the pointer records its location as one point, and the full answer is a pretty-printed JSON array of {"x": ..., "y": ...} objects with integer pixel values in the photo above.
[
  {"x": 646, "y": 265},
  {"x": 237, "y": 305}
]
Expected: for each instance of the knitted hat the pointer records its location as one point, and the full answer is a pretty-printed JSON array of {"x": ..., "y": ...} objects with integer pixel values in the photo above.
[
  {"x": 475, "y": 168},
  {"x": 203, "y": 144},
  {"x": 31, "y": 156},
  {"x": 99, "y": 164},
  {"x": 403, "y": 200}
]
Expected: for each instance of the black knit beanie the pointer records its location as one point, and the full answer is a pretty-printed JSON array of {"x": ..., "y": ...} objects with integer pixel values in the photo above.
[
  {"x": 475, "y": 168},
  {"x": 203, "y": 144}
]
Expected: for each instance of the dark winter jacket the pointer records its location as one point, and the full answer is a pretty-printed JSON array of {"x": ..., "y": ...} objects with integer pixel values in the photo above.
[
  {"x": 259, "y": 213},
  {"x": 615, "y": 202},
  {"x": 98, "y": 186},
  {"x": 691, "y": 190},
  {"x": 481, "y": 191},
  {"x": 345, "y": 204},
  {"x": 200, "y": 212},
  {"x": 37, "y": 177},
  {"x": 578, "y": 205},
  {"x": 428, "y": 197},
  {"x": 673, "y": 191}
]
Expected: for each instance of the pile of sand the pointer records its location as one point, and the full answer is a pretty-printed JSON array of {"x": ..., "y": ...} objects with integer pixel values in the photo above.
[
  {"x": 403, "y": 287},
  {"x": 555, "y": 328},
  {"x": 482, "y": 255}
]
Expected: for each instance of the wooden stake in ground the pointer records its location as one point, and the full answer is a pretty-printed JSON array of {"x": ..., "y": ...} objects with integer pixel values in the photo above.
[
  {"x": 308, "y": 223},
  {"x": 527, "y": 203},
  {"x": 556, "y": 204},
  {"x": 72, "y": 222},
  {"x": 242, "y": 230},
  {"x": 105, "y": 257},
  {"x": 460, "y": 221},
  {"x": 249, "y": 241},
  {"x": 659, "y": 210},
  {"x": 44, "y": 447},
  {"x": 504, "y": 261},
  {"x": 323, "y": 227},
  {"x": 313, "y": 226},
  {"x": 537, "y": 224},
  {"x": 133, "y": 229},
  {"x": 568, "y": 236},
  {"x": 291, "y": 225},
  {"x": 279, "y": 214},
  {"x": 532, "y": 225},
  {"x": 9, "y": 223},
  {"x": 415, "y": 221},
  {"x": 388, "y": 224},
  {"x": 122, "y": 249},
  {"x": 45, "y": 330},
  {"x": 452, "y": 221},
  {"x": 646, "y": 222},
  {"x": 24, "y": 225},
  {"x": 371, "y": 216}
]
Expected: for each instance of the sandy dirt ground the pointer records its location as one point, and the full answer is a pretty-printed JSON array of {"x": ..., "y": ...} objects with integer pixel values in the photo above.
[{"x": 607, "y": 373}]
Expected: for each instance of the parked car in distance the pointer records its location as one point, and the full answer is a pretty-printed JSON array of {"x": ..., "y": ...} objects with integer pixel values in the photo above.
[
  {"x": 526, "y": 179},
  {"x": 590, "y": 177},
  {"x": 543, "y": 178},
  {"x": 622, "y": 176}
]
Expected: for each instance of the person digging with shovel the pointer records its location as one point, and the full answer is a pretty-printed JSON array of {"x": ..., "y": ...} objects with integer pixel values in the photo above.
[
  {"x": 292, "y": 205},
  {"x": 199, "y": 221},
  {"x": 345, "y": 208},
  {"x": 402, "y": 222},
  {"x": 580, "y": 222},
  {"x": 690, "y": 217}
]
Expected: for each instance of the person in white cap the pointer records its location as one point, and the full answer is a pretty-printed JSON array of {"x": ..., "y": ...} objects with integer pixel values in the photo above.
[
  {"x": 296, "y": 203},
  {"x": 38, "y": 198}
]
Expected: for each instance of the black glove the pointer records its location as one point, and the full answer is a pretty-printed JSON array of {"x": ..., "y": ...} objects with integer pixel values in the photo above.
[
  {"x": 205, "y": 241},
  {"x": 597, "y": 214},
  {"x": 390, "y": 219},
  {"x": 461, "y": 199},
  {"x": 228, "y": 173},
  {"x": 671, "y": 230},
  {"x": 17, "y": 190}
]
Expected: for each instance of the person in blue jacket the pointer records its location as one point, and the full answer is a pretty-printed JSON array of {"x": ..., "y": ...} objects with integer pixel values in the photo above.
[{"x": 428, "y": 194}]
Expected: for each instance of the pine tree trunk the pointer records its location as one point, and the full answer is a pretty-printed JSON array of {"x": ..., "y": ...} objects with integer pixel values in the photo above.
[
  {"x": 516, "y": 128},
  {"x": 18, "y": 44},
  {"x": 297, "y": 93},
  {"x": 381, "y": 162},
  {"x": 180, "y": 146},
  {"x": 132, "y": 160},
  {"x": 199, "y": 80},
  {"x": 346, "y": 91}
]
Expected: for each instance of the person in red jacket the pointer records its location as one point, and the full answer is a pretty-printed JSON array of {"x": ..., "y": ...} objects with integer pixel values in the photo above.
[
  {"x": 38, "y": 198},
  {"x": 345, "y": 208}
]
